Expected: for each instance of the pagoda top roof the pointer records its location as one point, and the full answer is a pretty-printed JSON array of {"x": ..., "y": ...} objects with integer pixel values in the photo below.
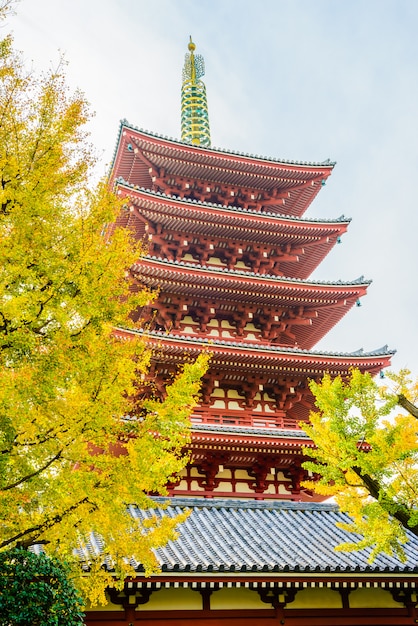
[
  {"x": 263, "y": 357},
  {"x": 171, "y": 140},
  {"x": 157, "y": 162},
  {"x": 262, "y": 537}
]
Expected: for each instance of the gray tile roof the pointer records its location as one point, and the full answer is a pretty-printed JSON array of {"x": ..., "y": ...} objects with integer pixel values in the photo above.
[
  {"x": 268, "y": 278},
  {"x": 281, "y": 433},
  {"x": 225, "y": 535},
  {"x": 292, "y": 219},
  {"x": 383, "y": 351}
]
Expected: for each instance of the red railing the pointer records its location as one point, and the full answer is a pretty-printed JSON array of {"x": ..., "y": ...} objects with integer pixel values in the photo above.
[{"x": 242, "y": 418}]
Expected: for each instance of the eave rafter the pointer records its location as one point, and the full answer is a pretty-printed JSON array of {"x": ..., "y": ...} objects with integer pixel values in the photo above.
[
  {"x": 394, "y": 581},
  {"x": 249, "y": 446},
  {"x": 250, "y": 285},
  {"x": 288, "y": 312},
  {"x": 297, "y": 325},
  {"x": 164, "y": 207},
  {"x": 266, "y": 243}
]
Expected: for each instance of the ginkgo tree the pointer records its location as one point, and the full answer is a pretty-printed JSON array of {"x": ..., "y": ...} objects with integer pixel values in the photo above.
[
  {"x": 366, "y": 456},
  {"x": 67, "y": 382}
]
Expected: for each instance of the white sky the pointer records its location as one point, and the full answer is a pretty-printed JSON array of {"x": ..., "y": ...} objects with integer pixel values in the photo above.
[{"x": 292, "y": 79}]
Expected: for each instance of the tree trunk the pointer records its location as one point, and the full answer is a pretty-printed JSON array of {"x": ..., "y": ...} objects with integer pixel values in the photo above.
[{"x": 407, "y": 405}]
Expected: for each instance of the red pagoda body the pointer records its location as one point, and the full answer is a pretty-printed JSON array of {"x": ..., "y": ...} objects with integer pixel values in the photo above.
[{"x": 230, "y": 254}]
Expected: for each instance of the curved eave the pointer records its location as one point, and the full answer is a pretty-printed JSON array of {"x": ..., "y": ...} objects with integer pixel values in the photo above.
[
  {"x": 262, "y": 358},
  {"x": 323, "y": 305},
  {"x": 173, "y": 207},
  {"x": 213, "y": 278},
  {"x": 139, "y": 152},
  {"x": 240, "y": 225}
]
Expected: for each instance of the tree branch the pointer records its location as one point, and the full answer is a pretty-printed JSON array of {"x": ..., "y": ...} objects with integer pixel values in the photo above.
[
  {"x": 36, "y": 473},
  {"x": 40, "y": 528},
  {"x": 407, "y": 405},
  {"x": 375, "y": 490}
]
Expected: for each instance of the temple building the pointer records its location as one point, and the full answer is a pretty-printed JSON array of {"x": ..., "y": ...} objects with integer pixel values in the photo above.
[{"x": 231, "y": 254}]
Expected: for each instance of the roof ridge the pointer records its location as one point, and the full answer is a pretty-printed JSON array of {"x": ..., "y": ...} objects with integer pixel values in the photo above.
[
  {"x": 238, "y": 503},
  {"x": 326, "y": 163},
  {"x": 384, "y": 350},
  {"x": 238, "y": 272},
  {"x": 231, "y": 428}
]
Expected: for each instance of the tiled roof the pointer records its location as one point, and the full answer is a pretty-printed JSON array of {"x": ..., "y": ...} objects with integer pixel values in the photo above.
[
  {"x": 213, "y": 341},
  {"x": 263, "y": 278},
  {"x": 266, "y": 214},
  {"x": 223, "y": 535},
  {"x": 141, "y": 156},
  {"x": 280, "y": 433},
  {"x": 125, "y": 124}
]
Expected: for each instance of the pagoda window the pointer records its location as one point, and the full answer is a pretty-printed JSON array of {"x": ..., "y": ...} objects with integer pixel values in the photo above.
[
  {"x": 251, "y": 331},
  {"x": 189, "y": 330},
  {"x": 214, "y": 260},
  {"x": 270, "y": 489},
  {"x": 188, "y": 320},
  {"x": 219, "y": 404},
  {"x": 233, "y": 393}
]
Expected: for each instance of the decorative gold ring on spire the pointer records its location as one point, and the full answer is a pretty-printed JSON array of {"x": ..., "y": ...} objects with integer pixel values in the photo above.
[{"x": 194, "y": 106}]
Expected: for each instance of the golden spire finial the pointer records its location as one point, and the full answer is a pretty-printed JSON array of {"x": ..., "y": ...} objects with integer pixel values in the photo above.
[{"x": 194, "y": 106}]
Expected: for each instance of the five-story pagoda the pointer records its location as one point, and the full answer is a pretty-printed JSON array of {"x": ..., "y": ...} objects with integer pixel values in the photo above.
[{"x": 230, "y": 253}]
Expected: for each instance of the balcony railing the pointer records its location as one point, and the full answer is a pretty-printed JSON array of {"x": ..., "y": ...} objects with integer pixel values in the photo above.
[{"x": 242, "y": 418}]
